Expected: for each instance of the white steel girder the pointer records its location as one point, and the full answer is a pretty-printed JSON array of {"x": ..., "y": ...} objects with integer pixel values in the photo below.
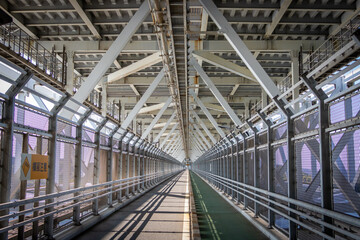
[
  {"x": 142, "y": 100},
  {"x": 208, "y": 115},
  {"x": 202, "y": 136},
  {"x": 276, "y": 17},
  {"x": 156, "y": 119},
  {"x": 202, "y": 124},
  {"x": 198, "y": 140},
  {"x": 240, "y": 48},
  {"x": 152, "y": 108},
  {"x": 85, "y": 17},
  {"x": 165, "y": 127},
  {"x": 167, "y": 136},
  {"x": 174, "y": 139},
  {"x": 196, "y": 144},
  {"x": 216, "y": 92},
  {"x": 224, "y": 64},
  {"x": 174, "y": 145},
  {"x": 135, "y": 67},
  {"x": 112, "y": 53}
]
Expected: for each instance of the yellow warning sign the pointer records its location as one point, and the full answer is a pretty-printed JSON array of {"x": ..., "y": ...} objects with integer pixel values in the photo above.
[
  {"x": 34, "y": 166},
  {"x": 26, "y": 166}
]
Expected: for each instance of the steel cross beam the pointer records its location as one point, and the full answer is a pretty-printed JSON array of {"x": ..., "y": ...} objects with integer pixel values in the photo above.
[
  {"x": 77, "y": 4},
  {"x": 208, "y": 115},
  {"x": 198, "y": 139},
  {"x": 156, "y": 119},
  {"x": 143, "y": 100},
  {"x": 173, "y": 140},
  {"x": 164, "y": 128},
  {"x": 174, "y": 145},
  {"x": 116, "y": 47},
  {"x": 202, "y": 136},
  {"x": 223, "y": 63},
  {"x": 202, "y": 124},
  {"x": 216, "y": 92},
  {"x": 167, "y": 137},
  {"x": 240, "y": 48},
  {"x": 135, "y": 67}
]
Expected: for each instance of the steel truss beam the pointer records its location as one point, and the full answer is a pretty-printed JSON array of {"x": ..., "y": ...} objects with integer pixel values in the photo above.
[
  {"x": 112, "y": 53},
  {"x": 165, "y": 127},
  {"x": 241, "y": 49},
  {"x": 143, "y": 100},
  {"x": 208, "y": 115},
  {"x": 224, "y": 63},
  {"x": 216, "y": 92},
  {"x": 156, "y": 119},
  {"x": 202, "y": 124}
]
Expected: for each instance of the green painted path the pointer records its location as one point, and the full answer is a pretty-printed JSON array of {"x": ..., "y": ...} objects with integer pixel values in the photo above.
[{"x": 217, "y": 218}]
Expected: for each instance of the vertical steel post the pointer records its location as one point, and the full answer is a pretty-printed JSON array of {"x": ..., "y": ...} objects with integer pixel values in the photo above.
[
  {"x": 326, "y": 171},
  {"x": 7, "y": 146},
  {"x": 78, "y": 159},
  {"x": 95, "y": 203},
  {"x": 256, "y": 164},
  {"x": 270, "y": 170},
  {"x": 50, "y": 183}
]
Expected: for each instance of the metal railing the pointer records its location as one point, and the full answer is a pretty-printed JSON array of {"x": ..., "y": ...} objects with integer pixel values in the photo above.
[
  {"x": 28, "y": 48},
  {"x": 280, "y": 204},
  {"x": 62, "y": 202},
  {"x": 331, "y": 46},
  {"x": 324, "y": 52}
]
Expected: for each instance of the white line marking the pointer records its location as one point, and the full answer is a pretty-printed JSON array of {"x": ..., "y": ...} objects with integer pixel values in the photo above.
[{"x": 186, "y": 222}]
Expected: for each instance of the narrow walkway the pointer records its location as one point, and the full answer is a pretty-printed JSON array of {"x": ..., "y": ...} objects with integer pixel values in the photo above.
[
  {"x": 218, "y": 219},
  {"x": 162, "y": 213}
]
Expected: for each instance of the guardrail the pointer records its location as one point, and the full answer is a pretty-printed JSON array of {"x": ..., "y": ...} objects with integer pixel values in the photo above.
[
  {"x": 62, "y": 202},
  {"x": 279, "y": 204},
  {"x": 28, "y": 48}
]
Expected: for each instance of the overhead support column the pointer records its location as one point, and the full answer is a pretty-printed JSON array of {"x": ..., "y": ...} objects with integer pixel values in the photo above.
[
  {"x": 241, "y": 49},
  {"x": 70, "y": 72},
  {"x": 143, "y": 100},
  {"x": 295, "y": 77},
  {"x": 112, "y": 53},
  {"x": 216, "y": 92},
  {"x": 156, "y": 119}
]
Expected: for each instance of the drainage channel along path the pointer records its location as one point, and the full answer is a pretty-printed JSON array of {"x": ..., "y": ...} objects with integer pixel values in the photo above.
[
  {"x": 217, "y": 218},
  {"x": 162, "y": 213}
]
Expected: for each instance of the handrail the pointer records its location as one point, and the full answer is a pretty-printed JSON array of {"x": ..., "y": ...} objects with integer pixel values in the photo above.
[
  {"x": 270, "y": 197},
  {"x": 81, "y": 196},
  {"x": 28, "y": 48}
]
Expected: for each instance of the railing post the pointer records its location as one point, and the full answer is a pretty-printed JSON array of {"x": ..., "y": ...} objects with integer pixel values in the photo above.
[
  {"x": 120, "y": 164},
  {"x": 78, "y": 161},
  {"x": 270, "y": 170},
  {"x": 7, "y": 146},
  {"x": 50, "y": 183},
  {"x": 109, "y": 164},
  {"x": 95, "y": 203},
  {"x": 326, "y": 173}
]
